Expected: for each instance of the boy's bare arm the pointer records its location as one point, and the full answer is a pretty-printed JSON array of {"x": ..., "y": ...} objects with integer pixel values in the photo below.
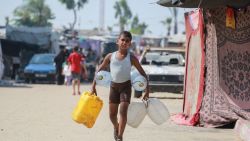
[
  {"x": 138, "y": 66},
  {"x": 105, "y": 62},
  {"x": 103, "y": 65}
]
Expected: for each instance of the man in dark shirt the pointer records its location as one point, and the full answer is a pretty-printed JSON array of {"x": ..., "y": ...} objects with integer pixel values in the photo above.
[{"x": 59, "y": 60}]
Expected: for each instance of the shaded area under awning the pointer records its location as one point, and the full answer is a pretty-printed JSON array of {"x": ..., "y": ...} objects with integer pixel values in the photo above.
[{"x": 13, "y": 48}]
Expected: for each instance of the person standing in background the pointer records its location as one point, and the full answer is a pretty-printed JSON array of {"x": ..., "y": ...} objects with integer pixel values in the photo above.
[
  {"x": 59, "y": 60},
  {"x": 92, "y": 61},
  {"x": 15, "y": 67},
  {"x": 75, "y": 60},
  {"x": 84, "y": 72}
]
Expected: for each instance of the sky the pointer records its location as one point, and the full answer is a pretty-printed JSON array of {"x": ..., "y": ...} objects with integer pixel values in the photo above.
[{"x": 88, "y": 18}]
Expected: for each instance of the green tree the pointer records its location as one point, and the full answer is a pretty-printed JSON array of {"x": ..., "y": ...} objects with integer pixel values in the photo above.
[
  {"x": 110, "y": 29},
  {"x": 33, "y": 13},
  {"x": 174, "y": 13},
  {"x": 122, "y": 12},
  {"x": 135, "y": 22},
  {"x": 7, "y": 20},
  {"x": 74, "y": 6},
  {"x": 167, "y": 22},
  {"x": 136, "y": 27}
]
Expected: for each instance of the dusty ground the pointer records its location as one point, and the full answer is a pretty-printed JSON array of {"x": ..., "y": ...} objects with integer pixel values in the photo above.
[{"x": 43, "y": 113}]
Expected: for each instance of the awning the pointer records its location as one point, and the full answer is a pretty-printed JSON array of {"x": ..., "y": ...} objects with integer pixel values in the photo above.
[
  {"x": 204, "y": 3},
  {"x": 12, "y": 48}
]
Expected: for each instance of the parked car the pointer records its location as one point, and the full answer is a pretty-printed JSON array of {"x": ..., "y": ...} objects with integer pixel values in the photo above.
[
  {"x": 165, "y": 68},
  {"x": 40, "y": 68}
]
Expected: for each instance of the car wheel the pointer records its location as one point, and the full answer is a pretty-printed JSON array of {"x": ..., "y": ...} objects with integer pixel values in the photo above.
[{"x": 137, "y": 94}]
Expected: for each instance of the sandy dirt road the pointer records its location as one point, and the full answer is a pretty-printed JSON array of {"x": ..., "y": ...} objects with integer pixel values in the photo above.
[{"x": 43, "y": 113}]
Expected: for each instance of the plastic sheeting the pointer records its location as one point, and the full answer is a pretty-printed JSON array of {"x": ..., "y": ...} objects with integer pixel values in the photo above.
[
  {"x": 41, "y": 36},
  {"x": 1, "y": 63}
]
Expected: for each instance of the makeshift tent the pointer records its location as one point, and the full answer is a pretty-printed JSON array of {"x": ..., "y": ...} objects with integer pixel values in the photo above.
[
  {"x": 1, "y": 62},
  {"x": 43, "y": 37},
  {"x": 203, "y": 3},
  {"x": 217, "y": 81}
]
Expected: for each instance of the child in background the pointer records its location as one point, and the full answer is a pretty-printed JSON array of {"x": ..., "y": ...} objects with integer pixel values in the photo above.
[
  {"x": 67, "y": 74},
  {"x": 74, "y": 60}
]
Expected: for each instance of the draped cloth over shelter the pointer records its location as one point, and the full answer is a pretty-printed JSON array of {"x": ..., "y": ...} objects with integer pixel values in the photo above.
[
  {"x": 227, "y": 90},
  {"x": 203, "y": 3},
  {"x": 217, "y": 82},
  {"x": 194, "y": 76}
]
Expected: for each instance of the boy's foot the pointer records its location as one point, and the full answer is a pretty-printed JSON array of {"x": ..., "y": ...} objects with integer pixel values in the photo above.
[
  {"x": 79, "y": 93},
  {"x": 118, "y": 139},
  {"x": 73, "y": 93},
  {"x": 115, "y": 134}
]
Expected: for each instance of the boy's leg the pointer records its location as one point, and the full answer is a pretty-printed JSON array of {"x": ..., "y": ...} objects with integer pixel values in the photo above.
[
  {"x": 78, "y": 86},
  {"x": 78, "y": 78},
  {"x": 67, "y": 80},
  {"x": 123, "y": 118},
  {"x": 70, "y": 80},
  {"x": 113, "y": 110},
  {"x": 74, "y": 85}
]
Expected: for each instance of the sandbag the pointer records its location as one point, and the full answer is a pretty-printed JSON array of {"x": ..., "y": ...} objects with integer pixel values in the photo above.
[
  {"x": 157, "y": 111},
  {"x": 136, "y": 113},
  {"x": 87, "y": 109}
]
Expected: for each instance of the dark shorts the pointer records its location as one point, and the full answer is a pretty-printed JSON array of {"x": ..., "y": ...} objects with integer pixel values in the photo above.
[
  {"x": 76, "y": 76},
  {"x": 120, "y": 92}
]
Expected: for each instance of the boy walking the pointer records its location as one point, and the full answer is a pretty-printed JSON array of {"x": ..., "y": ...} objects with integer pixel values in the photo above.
[
  {"x": 75, "y": 63},
  {"x": 120, "y": 63}
]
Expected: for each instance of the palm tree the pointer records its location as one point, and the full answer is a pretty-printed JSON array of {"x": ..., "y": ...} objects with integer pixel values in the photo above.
[
  {"x": 167, "y": 22},
  {"x": 110, "y": 29},
  {"x": 7, "y": 20},
  {"x": 33, "y": 13},
  {"x": 74, "y": 5},
  {"x": 136, "y": 27},
  {"x": 122, "y": 12},
  {"x": 174, "y": 13}
]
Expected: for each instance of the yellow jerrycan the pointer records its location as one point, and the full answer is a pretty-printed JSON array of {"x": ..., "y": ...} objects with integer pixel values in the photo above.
[{"x": 87, "y": 109}]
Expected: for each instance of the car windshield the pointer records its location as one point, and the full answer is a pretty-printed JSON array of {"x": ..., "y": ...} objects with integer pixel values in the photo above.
[
  {"x": 162, "y": 58},
  {"x": 42, "y": 59}
]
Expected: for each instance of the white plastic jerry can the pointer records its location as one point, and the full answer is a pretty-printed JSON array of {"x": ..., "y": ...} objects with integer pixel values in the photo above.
[
  {"x": 157, "y": 111},
  {"x": 136, "y": 113}
]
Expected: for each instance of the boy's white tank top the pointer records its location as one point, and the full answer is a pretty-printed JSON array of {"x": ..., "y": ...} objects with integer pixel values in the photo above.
[{"x": 120, "y": 69}]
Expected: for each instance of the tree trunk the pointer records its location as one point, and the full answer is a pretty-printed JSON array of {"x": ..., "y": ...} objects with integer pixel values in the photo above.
[
  {"x": 175, "y": 26},
  {"x": 121, "y": 28},
  {"x": 169, "y": 29},
  {"x": 74, "y": 22},
  {"x": 121, "y": 25}
]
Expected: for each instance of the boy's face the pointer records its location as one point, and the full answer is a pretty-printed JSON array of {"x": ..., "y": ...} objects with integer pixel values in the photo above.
[{"x": 124, "y": 42}]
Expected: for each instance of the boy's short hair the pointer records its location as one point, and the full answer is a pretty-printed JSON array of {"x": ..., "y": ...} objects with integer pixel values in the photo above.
[
  {"x": 75, "y": 48},
  {"x": 126, "y": 34}
]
